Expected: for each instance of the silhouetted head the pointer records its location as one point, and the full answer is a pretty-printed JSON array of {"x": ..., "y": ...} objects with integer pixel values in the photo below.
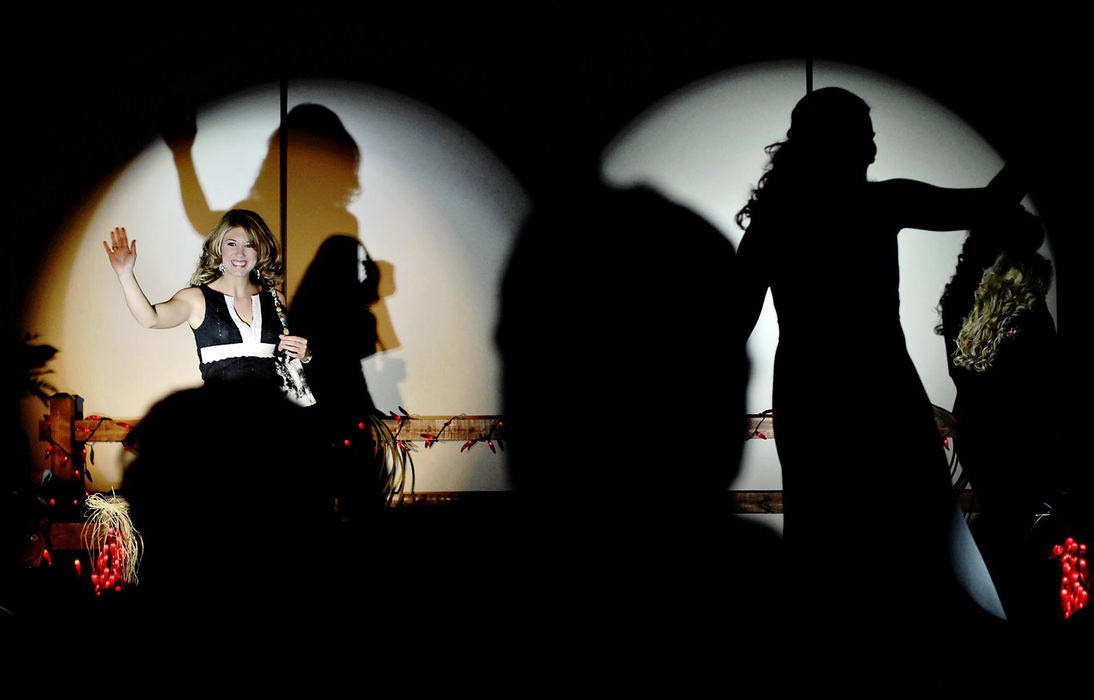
[
  {"x": 196, "y": 495},
  {"x": 320, "y": 145},
  {"x": 831, "y": 128},
  {"x": 830, "y": 144},
  {"x": 200, "y": 485},
  {"x": 268, "y": 269},
  {"x": 323, "y": 159},
  {"x": 612, "y": 339}
]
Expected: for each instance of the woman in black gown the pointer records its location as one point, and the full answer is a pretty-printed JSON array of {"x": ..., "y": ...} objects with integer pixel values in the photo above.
[{"x": 867, "y": 497}]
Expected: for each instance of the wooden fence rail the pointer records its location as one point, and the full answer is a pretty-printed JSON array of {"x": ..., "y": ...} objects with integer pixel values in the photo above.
[
  {"x": 67, "y": 432},
  {"x": 65, "y": 427}
]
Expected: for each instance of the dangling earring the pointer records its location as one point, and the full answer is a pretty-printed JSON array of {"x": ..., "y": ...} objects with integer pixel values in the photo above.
[{"x": 221, "y": 268}]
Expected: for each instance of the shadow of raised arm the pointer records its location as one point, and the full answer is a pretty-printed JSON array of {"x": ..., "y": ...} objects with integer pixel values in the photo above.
[{"x": 179, "y": 131}]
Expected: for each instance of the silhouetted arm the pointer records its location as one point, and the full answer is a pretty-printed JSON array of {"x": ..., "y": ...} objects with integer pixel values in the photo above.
[
  {"x": 1008, "y": 186},
  {"x": 914, "y": 204},
  {"x": 180, "y": 139}
]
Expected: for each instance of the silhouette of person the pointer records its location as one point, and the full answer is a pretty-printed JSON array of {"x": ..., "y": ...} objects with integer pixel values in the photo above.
[
  {"x": 867, "y": 496},
  {"x": 616, "y": 377},
  {"x": 333, "y": 308},
  {"x": 1004, "y": 356},
  {"x": 237, "y": 536}
]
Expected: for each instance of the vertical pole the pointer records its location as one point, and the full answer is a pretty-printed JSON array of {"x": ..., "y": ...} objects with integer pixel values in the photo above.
[
  {"x": 283, "y": 180},
  {"x": 808, "y": 76}
]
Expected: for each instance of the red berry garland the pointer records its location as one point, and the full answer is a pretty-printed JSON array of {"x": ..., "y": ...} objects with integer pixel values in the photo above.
[{"x": 1074, "y": 576}]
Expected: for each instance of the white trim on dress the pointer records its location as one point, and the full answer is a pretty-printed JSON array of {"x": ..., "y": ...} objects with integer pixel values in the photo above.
[
  {"x": 252, "y": 345},
  {"x": 213, "y": 353}
]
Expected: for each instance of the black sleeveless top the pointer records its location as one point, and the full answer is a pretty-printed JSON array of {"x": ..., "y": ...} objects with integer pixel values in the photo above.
[{"x": 228, "y": 348}]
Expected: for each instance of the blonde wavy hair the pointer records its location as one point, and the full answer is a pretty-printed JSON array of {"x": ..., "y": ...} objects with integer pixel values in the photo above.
[
  {"x": 269, "y": 270},
  {"x": 1008, "y": 288}
]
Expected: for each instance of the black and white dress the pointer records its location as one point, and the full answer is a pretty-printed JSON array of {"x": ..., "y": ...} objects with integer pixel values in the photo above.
[{"x": 228, "y": 348}]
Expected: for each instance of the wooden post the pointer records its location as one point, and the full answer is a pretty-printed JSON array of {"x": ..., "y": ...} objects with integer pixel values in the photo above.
[{"x": 65, "y": 456}]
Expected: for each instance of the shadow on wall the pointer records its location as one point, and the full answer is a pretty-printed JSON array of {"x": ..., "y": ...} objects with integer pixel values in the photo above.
[
  {"x": 339, "y": 307},
  {"x": 339, "y": 300},
  {"x": 322, "y": 165}
]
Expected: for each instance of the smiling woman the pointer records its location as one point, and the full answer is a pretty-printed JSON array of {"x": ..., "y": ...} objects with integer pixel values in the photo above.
[{"x": 236, "y": 325}]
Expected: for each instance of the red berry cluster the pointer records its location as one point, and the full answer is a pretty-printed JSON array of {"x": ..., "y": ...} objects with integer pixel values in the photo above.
[
  {"x": 1074, "y": 579},
  {"x": 110, "y": 565}
]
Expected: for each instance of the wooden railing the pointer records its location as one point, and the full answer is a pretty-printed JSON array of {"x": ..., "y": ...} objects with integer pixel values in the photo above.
[{"x": 67, "y": 431}]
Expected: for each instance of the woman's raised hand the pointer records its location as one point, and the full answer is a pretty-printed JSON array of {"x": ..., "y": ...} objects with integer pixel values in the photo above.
[{"x": 122, "y": 253}]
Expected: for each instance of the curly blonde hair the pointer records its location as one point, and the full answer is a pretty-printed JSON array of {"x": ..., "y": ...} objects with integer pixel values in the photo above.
[
  {"x": 1010, "y": 287},
  {"x": 268, "y": 271}
]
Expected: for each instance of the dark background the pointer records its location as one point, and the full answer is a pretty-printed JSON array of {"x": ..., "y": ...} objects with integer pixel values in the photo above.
[{"x": 545, "y": 87}]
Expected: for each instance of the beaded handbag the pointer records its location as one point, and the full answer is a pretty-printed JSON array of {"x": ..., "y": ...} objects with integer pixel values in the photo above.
[{"x": 294, "y": 383}]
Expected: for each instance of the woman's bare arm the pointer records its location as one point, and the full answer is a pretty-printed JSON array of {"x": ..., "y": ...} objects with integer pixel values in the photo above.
[{"x": 178, "y": 309}]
